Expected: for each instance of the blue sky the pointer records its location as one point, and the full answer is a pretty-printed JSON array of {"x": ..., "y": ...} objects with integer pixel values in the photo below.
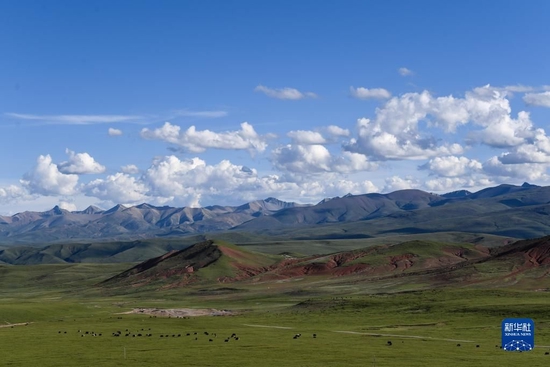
[{"x": 295, "y": 99}]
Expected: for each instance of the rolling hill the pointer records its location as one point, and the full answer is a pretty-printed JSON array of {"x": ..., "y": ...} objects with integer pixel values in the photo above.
[
  {"x": 94, "y": 252},
  {"x": 204, "y": 262},
  {"x": 441, "y": 264}
]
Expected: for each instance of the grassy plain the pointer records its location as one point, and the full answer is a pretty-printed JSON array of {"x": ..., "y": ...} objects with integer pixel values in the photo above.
[{"x": 353, "y": 321}]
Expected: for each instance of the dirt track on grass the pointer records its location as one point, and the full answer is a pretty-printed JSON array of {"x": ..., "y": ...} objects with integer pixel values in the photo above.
[
  {"x": 268, "y": 326},
  {"x": 179, "y": 312},
  {"x": 18, "y": 324}
]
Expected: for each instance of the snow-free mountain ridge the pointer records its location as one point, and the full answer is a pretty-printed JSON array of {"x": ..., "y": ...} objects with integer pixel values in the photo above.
[{"x": 491, "y": 210}]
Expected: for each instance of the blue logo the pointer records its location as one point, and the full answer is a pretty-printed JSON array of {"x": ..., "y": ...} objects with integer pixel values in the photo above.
[{"x": 518, "y": 335}]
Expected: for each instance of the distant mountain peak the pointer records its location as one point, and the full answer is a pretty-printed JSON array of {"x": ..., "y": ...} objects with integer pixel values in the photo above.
[
  {"x": 91, "y": 210},
  {"x": 56, "y": 210},
  {"x": 145, "y": 206},
  {"x": 326, "y": 200},
  {"x": 116, "y": 208},
  {"x": 527, "y": 184}
]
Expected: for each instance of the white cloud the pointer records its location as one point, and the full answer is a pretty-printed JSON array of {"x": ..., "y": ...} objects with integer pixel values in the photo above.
[
  {"x": 170, "y": 176},
  {"x": 343, "y": 187},
  {"x": 306, "y": 137},
  {"x": 535, "y": 149},
  {"x": 12, "y": 193},
  {"x": 525, "y": 154},
  {"x": 198, "y": 141},
  {"x": 77, "y": 119},
  {"x": 46, "y": 179},
  {"x": 404, "y": 71},
  {"x": 501, "y": 135},
  {"x": 395, "y": 183},
  {"x": 284, "y": 93},
  {"x": 490, "y": 109},
  {"x": 518, "y": 88},
  {"x": 373, "y": 93},
  {"x": 80, "y": 163},
  {"x": 337, "y": 131},
  {"x": 395, "y": 144},
  {"x": 312, "y": 159},
  {"x": 110, "y": 119},
  {"x": 451, "y": 166},
  {"x": 411, "y": 126},
  {"x": 115, "y": 132},
  {"x": 118, "y": 188},
  {"x": 447, "y": 184},
  {"x": 67, "y": 205},
  {"x": 537, "y": 99},
  {"x": 192, "y": 182},
  {"x": 130, "y": 169},
  {"x": 524, "y": 171},
  {"x": 394, "y": 133},
  {"x": 303, "y": 159},
  {"x": 352, "y": 162}
]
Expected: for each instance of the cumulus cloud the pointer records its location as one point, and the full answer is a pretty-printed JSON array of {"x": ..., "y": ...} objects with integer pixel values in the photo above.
[
  {"x": 404, "y": 71},
  {"x": 490, "y": 108},
  {"x": 535, "y": 151},
  {"x": 537, "y": 99},
  {"x": 387, "y": 142},
  {"x": 118, "y": 188},
  {"x": 343, "y": 187},
  {"x": 198, "y": 141},
  {"x": 529, "y": 171},
  {"x": 170, "y": 176},
  {"x": 130, "y": 169},
  {"x": 46, "y": 179},
  {"x": 373, "y": 93},
  {"x": 76, "y": 119},
  {"x": 411, "y": 126},
  {"x": 446, "y": 184},
  {"x": 349, "y": 162},
  {"x": 80, "y": 163},
  {"x": 395, "y": 183},
  {"x": 394, "y": 132},
  {"x": 12, "y": 193},
  {"x": 302, "y": 158},
  {"x": 337, "y": 131},
  {"x": 284, "y": 93},
  {"x": 452, "y": 166},
  {"x": 67, "y": 205},
  {"x": 306, "y": 137},
  {"x": 114, "y": 132},
  {"x": 315, "y": 158},
  {"x": 192, "y": 182}
]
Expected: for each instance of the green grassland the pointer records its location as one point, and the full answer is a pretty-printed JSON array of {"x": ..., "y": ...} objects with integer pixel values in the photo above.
[
  {"x": 424, "y": 327},
  {"x": 424, "y": 315},
  {"x": 325, "y": 246}
]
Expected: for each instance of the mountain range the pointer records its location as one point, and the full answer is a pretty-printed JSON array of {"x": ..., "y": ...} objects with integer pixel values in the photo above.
[{"x": 505, "y": 210}]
